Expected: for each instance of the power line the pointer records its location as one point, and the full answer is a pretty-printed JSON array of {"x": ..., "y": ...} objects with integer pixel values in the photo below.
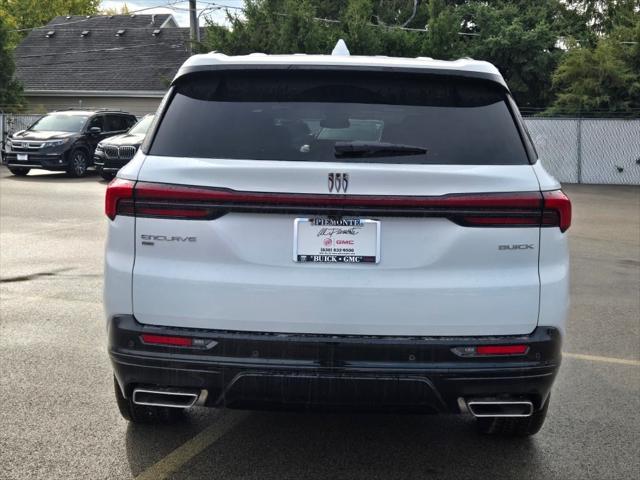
[
  {"x": 334, "y": 21},
  {"x": 90, "y": 17},
  {"x": 231, "y": 7},
  {"x": 108, "y": 29}
]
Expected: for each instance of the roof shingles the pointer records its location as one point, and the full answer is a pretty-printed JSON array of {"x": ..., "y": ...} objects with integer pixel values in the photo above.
[
  {"x": 114, "y": 21},
  {"x": 135, "y": 61}
]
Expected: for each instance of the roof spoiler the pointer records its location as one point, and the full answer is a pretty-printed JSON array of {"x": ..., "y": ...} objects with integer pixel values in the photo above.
[{"x": 186, "y": 70}]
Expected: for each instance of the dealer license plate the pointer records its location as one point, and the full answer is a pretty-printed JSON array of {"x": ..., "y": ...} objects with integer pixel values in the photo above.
[{"x": 342, "y": 240}]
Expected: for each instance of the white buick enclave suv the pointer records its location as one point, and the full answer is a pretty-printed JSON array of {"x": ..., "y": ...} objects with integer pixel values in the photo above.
[{"x": 337, "y": 232}]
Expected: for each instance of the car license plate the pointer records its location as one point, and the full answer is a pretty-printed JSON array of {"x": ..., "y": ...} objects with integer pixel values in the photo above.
[
  {"x": 342, "y": 240},
  {"x": 22, "y": 157}
]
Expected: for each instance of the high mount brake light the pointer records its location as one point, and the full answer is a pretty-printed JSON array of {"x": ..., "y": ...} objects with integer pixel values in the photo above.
[{"x": 519, "y": 209}]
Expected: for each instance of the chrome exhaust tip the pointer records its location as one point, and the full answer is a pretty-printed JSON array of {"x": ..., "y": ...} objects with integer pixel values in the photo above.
[
  {"x": 164, "y": 397},
  {"x": 500, "y": 408}
]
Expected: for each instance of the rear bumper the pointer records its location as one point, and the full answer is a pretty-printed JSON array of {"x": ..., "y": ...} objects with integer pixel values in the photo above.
[
  {"x": 104, "y": 164},
  {"x": 249, "y": 370}
]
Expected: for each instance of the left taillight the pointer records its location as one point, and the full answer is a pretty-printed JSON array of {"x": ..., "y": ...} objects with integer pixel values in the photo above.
[
  {"x": 556, "y": 210},
  {"x": 119, "y": 198}
]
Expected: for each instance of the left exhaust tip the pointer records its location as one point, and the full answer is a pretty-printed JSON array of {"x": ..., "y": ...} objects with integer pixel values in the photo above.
[{"x": 164, "y": 397}]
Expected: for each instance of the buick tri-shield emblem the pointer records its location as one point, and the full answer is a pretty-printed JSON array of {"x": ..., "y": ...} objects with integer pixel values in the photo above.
[{"x": 338, "y": 182}]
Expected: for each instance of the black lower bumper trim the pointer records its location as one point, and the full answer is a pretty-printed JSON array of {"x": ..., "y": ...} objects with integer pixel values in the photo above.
[
  {"x": 108, "y": 164},
  {"x": 47, "y": 162},
  {"x": 255, "y": 370}
]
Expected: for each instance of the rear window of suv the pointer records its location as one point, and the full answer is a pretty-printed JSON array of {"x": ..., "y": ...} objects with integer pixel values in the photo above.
[{"x": 329, "y": 116}]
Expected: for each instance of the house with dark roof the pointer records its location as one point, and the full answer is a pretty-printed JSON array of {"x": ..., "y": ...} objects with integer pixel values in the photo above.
[{"x": 108, "y": 61}]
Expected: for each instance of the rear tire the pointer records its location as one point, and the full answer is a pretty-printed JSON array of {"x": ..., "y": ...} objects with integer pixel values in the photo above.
[
  {"x": 19, "y": 171},
  {"x": 78, "y": 163},
  {"x": 514, "y": 427},
  {"x": 144, "y": 413},
  {"x": 107, "y": 175}
]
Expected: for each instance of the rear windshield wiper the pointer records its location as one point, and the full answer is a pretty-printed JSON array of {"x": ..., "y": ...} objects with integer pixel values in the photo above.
[{"x": 375, "y": 149}]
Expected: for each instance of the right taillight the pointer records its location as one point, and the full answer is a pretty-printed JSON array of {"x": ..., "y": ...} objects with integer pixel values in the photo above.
[
  {"x": 556, "y": 210},
  {"x": 119, "y": 198}
]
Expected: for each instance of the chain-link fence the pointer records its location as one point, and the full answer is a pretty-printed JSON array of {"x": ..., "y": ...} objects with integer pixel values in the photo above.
[
  {"x": 10, "y": 123},
  {"x": 593, "y": 150},
  {"x": 574, "y": 150}
]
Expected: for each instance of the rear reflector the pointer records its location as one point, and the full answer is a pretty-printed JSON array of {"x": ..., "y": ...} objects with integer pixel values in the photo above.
[
  {"x": 490, "y": 350},
  {"x": 158, "y": 200},
  {"x": 166, "y": 340},
  {"x": 501, "y": 349}
]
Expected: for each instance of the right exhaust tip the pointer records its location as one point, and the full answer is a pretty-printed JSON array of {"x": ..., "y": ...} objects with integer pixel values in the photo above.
[
  {"x": 500, "y": 408},
  {"x": 164, "y": 398}
]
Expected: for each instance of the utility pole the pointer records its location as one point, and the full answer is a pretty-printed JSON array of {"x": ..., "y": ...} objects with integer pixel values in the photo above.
[{"x": 193, "y": 25}]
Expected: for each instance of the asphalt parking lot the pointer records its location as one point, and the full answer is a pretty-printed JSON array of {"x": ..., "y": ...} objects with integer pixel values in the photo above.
[{"x": 59, "y": 418}]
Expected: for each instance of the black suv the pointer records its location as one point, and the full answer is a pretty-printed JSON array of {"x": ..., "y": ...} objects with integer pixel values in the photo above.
[
  {"x": 63, "y": 140},
  {"x": 113, "y": 153}
]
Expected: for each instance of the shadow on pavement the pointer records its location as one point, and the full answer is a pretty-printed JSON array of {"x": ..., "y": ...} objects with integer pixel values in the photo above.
[
  {"x": 308, "y": 445},
  {"x": 48, "y": 177},
  {"x": 147, "y": 444}
]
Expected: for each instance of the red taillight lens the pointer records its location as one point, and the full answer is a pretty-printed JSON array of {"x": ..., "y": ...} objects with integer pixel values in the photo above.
[
  {"x": 145, "y": 211},
  {"x": 501, "y": 349},
  {"x": 520, "y": 209},
  {"x": 119, "y": 190},
  {"x": 557, "y": 210},
  {"x": 166, "y": 340}
]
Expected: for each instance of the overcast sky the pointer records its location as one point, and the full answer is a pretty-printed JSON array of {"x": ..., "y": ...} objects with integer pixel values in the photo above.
[{"x": 179, "y": 9}]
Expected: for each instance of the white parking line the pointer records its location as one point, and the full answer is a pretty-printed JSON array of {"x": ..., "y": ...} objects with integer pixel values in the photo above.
[
  {"x": 164, "y": 467},
  {"x": 595, "y": 358}
]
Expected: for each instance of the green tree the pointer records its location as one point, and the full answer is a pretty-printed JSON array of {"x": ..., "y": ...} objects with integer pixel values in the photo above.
[
  {"x": 443, "y": 38},
  {"x": 308, "y": 26},
  {"x": 522, "y": 39},
  {"x": 603, "y": 16},
  {"x": 526, "y": 40},
  {"x": 10, "y": 90},
  {"x": 271, "y": 26},
  {"x": 26, "y": 14},
  {"x": 362, "y": 38},
  {"x": 601, "y": 80}
]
